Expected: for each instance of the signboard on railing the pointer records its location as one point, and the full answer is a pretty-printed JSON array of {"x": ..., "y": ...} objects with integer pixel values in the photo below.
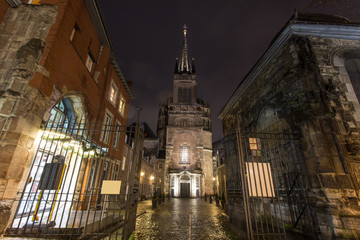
[
  {"x": 259, "y": 179},
  {"x": 110, "y": 187}
]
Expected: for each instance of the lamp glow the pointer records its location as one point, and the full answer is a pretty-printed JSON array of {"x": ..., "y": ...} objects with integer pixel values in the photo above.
[{"x": 142, "y": 173}]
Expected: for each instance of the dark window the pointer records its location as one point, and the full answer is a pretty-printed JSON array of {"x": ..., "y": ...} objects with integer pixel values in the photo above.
[
  {"x": 188, "y": 95},
  {"x": 180, "y": 95}
]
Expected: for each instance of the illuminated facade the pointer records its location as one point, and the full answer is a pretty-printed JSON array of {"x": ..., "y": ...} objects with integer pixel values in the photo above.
[
  {"x": 64, "y": 110},
  {"x": 184, "y": 131}
]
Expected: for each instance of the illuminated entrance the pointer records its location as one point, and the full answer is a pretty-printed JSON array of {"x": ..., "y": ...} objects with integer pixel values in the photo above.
[
  {"x": 185, "y": 184},
  {"x": 76, "y": 183}
]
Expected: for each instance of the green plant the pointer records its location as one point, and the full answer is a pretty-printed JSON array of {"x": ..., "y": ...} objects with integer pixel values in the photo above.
[
  {"x": 216, "y": 197},
  {"x": 154, "y": 196}
]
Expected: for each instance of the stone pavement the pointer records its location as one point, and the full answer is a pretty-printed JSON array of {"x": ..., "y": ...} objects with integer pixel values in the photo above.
[{"x": 170, "y": 221}]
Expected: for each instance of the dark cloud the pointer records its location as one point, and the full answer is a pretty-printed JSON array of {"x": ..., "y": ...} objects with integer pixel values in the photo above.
[{"x": 226, "y": 38}]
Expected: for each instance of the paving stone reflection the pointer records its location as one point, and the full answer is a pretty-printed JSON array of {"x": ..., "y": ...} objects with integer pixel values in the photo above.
[{"x": 170, "y": 221}]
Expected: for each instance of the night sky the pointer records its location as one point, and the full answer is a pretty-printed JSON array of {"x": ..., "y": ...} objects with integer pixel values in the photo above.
[{"x": 226, "y": 38}]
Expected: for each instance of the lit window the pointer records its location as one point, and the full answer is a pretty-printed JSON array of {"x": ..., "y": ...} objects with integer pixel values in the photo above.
[
  {"x": 107, "y": 127},
  {"x": 89, "y": 62},
  {"x": 122, "y": 105},
  {"x": 113, "y": 93},
  {"x": 184, "y": 154}
]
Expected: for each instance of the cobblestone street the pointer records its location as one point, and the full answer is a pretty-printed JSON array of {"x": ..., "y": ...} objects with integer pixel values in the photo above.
[{"x": 170, "y": 220}]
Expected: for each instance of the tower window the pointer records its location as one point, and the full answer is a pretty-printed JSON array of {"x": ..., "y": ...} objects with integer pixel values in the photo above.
[
  {"x": 180, "y": 94},
  {"x": 184, "y": 154}
]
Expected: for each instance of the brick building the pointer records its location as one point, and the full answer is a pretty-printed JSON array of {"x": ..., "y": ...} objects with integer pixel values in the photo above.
[
  {"x": 292, "y": 134},
  {"x": 150, "y": 153},
  {"x": 185, "y": 135},
  {"x": 63, "y": 106}
]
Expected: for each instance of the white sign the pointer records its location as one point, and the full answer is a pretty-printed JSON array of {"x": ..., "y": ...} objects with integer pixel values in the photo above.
[
  {"x": 110, "y": 187},
  {"x": 259, "y": 178}
]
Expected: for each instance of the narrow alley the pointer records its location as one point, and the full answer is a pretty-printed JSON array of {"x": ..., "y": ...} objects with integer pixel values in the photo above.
[{"x": 171, "y": 220}]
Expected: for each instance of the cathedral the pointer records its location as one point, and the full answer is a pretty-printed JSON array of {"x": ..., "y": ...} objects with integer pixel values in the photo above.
[{"x": 185, "y": 135}]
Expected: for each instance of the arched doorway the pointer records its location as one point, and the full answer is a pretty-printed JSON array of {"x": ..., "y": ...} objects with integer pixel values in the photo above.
[
  {"x": 63, "y": 191},
  {"x": 185, "y": 186}
]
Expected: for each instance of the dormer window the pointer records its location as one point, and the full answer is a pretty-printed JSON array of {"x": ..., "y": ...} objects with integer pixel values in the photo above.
[{"x": 89, "y": 62}]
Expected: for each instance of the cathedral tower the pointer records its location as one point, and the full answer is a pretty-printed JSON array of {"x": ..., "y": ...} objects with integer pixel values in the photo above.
[{"x": 184, "y": 131}]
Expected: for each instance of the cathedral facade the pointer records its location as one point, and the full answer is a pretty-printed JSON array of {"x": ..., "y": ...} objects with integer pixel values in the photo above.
[{"x": 184, "y": 131}]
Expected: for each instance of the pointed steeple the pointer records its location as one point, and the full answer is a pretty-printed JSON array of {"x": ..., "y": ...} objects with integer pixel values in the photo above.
[{"x": 184, "y": 60}]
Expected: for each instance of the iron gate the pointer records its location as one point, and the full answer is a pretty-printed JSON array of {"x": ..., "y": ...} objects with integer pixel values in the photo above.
[
  {"x": 273, "y": 178},
  {"x": 76, "y": 187}
]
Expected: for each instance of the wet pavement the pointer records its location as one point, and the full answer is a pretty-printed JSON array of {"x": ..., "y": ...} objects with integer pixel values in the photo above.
[{"x": 170, "y": 221}]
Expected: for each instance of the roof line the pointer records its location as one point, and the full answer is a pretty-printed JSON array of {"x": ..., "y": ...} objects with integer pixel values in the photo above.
[{"x": 321, "y": 30}]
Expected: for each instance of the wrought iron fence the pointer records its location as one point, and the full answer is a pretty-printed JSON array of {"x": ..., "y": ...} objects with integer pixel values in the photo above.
[
  {"x": 273, "y": 178},
  {"x": 78, "y": 182}
]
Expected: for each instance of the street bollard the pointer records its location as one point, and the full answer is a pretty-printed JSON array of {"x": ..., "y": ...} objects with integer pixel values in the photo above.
[{"x": 190, "y": 225}]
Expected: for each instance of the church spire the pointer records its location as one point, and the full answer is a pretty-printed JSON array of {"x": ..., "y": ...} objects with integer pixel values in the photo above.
[{"x": 184, "y": 61}]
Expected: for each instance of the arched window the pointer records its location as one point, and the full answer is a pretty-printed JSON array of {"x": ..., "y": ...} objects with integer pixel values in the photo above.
[
  {"x": 184, "y": 154},
  {"x": 62, "y": 114}
]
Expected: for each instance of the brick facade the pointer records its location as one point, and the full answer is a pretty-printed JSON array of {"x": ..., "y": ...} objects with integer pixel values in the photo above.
[{"x": 39, "y": 66}]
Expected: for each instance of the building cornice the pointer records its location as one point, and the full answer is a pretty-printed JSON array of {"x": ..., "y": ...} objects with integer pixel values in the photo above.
[
  {"x": 294, "y": 28},
  {"x": 97, "y": 19}
]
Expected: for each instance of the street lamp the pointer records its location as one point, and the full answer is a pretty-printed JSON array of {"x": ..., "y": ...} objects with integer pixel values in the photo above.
[
  {"x": 142, "y": 174},
  {"x": 151, "y": 177}
]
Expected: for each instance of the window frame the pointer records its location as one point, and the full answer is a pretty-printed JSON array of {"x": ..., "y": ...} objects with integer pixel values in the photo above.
[
  {"x": 121, "y": 107},
  {"x": 117, "y": 135},
  {"x": 90, "y": 61},
  {"x": 106, "y": 129},
  {"x": 184, "y": 154},
  {"x": 116, "y": 90}
]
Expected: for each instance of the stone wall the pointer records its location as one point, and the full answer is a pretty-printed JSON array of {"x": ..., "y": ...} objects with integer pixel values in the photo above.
[
  {"x": 22, "y": 41},
  {"x": 299, "y": 90}
]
